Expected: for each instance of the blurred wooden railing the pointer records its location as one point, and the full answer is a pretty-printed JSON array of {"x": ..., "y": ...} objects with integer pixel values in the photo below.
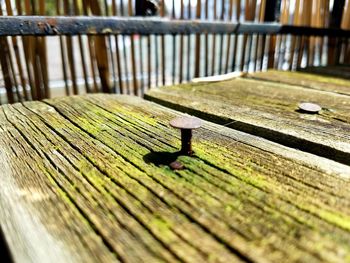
[{"x": 38, "y": 67}]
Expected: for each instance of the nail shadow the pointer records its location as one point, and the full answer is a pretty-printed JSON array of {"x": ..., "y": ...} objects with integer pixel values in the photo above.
[
  {"x": 306, "y": 112},
  {"x": 161, "y": 158}
]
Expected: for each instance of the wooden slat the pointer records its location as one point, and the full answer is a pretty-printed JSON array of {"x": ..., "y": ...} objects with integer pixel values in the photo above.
[
  {"x": 308, "y": 80},
  {"x": 90, "y": 181},
  {"x": 335, "y": 71},
  {"x": 269, "y": 110}
]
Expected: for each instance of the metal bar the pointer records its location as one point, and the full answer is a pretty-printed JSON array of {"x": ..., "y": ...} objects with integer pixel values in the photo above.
[{"x": 51, "y": 26}]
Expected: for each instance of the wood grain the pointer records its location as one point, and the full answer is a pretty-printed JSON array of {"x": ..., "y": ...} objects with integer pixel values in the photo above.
[
  {"x": 269, "y": 110},
  {"x": 307, "y": 80},
  {"x": 86, "y": 178},
  {"x": 332, "y": 71}
]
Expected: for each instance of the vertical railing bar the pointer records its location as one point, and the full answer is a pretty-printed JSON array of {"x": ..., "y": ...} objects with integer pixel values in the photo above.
[
  {"x": 70, "y": 53},
  {"x": 238, "y": 15},
  {"x": 296, "y": 21},
  {"x": 221, "y": 49},
  {"x": 162, "y": 39},
  {"x": 133, "y": 62},
  {"x": 213, "y": 43},
  {"x": 43, "y": 56},
  {"x": 82, "y": 53},
  {"x": 346, "y": 25},
  {"x": 36, "y": 91},
  {"x": 149, "y": 60},
  {"x": 228, "y": 45},
  {"x": 126, "y": 68},
  {"x": 198, "y": 43},
  {"x": 156, "y": 46},
  {"x": 26, "y": 52},
  {"x": 142, "y": 86},
  {"x": 181, "y": 44},
  {"x": 9, "y": 55},
  {"x": 301, "y": 51},
  {"x": 259, "y": 40},
  {"x": 251, "y": 18},
  {"x": 5, "y": 70},
  {"x": 174, "y": 45},
  {"x": 244, "y": 40},
  {"x": 17, "y": 54},
  {"x": 325, "y": 23},
  {"x": 284, "y": 19},
  {"x": 92, "y": 56},
  {"x": 118, "y": 58},
  {"x": 189, "y": 16},
  {"x": 206, "y": 40},
  {"x": 111, "y": 55}
]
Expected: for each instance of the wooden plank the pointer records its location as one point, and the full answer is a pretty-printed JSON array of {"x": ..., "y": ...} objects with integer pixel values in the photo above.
[
  {"x": 87, "y": 179},
  {"x": 334, "y": 71},
  {"x": 308, "y": 80},
  {"x": 269, "y": 110}
]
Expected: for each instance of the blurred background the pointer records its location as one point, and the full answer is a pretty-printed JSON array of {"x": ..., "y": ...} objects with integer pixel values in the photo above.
[{"x": 43, "y": 67}]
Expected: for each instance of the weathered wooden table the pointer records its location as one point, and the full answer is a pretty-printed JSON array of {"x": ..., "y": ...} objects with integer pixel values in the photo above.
[{"x": 87, "y": 179}]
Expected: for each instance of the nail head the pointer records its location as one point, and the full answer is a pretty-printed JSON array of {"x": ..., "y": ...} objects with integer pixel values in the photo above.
[
  {"x": 176, "y": 165},
  {"x": 186, "y": 123},
  {"x": 309, "y": 107}
]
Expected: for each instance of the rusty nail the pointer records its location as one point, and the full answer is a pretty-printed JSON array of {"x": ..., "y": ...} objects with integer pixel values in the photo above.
[
  {"x": 186, "y": 124},
  {"x": 308, "y": 107}
]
